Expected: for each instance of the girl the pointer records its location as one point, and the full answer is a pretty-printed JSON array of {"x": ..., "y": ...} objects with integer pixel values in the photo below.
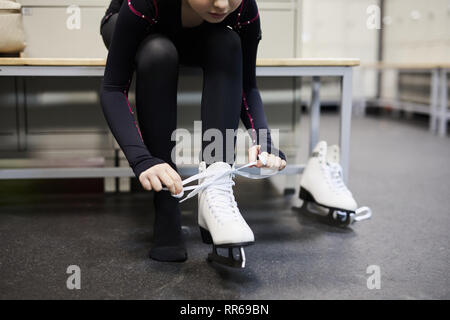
[{"x": 153, "y": 37}]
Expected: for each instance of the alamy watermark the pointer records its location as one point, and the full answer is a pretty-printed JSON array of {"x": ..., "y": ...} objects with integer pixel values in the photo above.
[
  {"x": 186, "y": 143},
  {"x": 73, "y": 21},
  {"x": 73, "y": 282},
  {"x": 374, "y": 17},
  {"x": 374, "y": 280}
]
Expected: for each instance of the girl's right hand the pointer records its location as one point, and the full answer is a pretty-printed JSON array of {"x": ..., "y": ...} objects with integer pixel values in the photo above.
[{"x": 163, "y": 173}]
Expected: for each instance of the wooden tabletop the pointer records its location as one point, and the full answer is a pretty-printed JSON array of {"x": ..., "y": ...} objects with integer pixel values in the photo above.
[
  {"x": 101, "y": 62},
  {"x": 306, "y": 62},
  {"x": 406, "y": 66},
  {"x": 52, "y": 62}
]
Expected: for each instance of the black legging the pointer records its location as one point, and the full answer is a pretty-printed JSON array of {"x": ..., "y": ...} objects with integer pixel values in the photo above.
[{"x": 217, "y": 50}]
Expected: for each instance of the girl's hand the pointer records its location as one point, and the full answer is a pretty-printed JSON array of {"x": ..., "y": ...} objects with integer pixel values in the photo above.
[
  {"x": 163, "y": 173},
  {"x": 273, "y": 161}
]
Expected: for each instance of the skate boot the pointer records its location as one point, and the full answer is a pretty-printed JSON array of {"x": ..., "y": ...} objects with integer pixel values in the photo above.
[
  {"x": 220, "y": 221},
  {"x": 322, "y": 184}
]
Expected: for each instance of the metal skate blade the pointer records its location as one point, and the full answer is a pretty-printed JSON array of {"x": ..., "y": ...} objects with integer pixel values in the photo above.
[
  {"x": 317, "y": 209},
  {"x": 229, "y": 261},
  {"x": 327, "y": 215}
]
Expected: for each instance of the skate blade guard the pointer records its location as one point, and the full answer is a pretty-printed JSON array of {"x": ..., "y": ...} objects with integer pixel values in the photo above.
[{"x": 336, "y": 216}]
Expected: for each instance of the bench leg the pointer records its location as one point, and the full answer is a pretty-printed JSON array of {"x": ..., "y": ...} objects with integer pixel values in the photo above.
[
  {"x": 124, "y": 182},
  {"x": 434, "y": 100},
  {"x": 443, "y": 104},
  {"x": 397, "y": 104},
  {"x": 314, "y": 114},
  {"x": 109, "y": 182},
  {"x": 19, "y": 83},
  {"x": 292, "y": 179},
  {"x": 346, "y": 118}
]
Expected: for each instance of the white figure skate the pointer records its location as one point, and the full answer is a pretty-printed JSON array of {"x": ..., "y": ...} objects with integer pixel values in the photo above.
[
  {"x": 221, "y": 224},
  {"x": 322, "y": 184},
  {"x": 220, "y": 221}
]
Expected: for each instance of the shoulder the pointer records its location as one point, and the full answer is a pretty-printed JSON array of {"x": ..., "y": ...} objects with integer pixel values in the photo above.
[
  {"x": 250, "y": 8},
  {"x": 146, "y": 9},
  {"x": 247, "y": 13},
  {"x": 114, "y": 7}
]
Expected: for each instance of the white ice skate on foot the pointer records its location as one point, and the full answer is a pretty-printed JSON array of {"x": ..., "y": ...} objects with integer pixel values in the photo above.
[
  {"x": 220, "y": 221},
  {"x": 322, "y": 184}
]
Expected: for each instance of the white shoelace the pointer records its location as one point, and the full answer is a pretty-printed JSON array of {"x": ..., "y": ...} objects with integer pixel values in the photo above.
[
  {"x": 218, "y": 180},
  {"x": 335, "y": 171},
  {"x": 220, "y": 197}
]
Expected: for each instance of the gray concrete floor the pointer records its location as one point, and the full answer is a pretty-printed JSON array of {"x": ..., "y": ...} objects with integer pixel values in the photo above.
[{"x": 398, "y": 169}]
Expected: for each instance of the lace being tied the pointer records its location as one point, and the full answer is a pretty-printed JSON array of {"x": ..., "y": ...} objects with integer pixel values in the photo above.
[
  {"x": 221, "y": 197},
  {"x": 220, "y": 181}
]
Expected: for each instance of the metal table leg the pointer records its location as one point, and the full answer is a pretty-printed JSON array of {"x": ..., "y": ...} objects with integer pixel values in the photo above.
[
  {"x": 346, "y": 115},
  {"x": 21, "y": 113},
  {"x": 315, "y": 114},
  {"x": 434, "y": 100},
  {"x": 443, "y": 104}
]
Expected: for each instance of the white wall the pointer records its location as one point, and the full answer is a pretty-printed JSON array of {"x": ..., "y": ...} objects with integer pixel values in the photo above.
[
  {"x": 337, "y": 28},
  {"x": 279, "y": 24},
  {"x": 417, "y": 32}
]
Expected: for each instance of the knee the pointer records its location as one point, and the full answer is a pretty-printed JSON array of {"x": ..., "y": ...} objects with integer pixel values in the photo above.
[
  {"x": 156, "y": 51},
  {"x": 224, "y": 47},
  {"x": 107, "y": 29}
]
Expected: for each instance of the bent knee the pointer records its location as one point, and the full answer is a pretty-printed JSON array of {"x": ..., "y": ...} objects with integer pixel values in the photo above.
[
  {"x": 224, "y": 39},
  {"x": 156, "y": 50}
]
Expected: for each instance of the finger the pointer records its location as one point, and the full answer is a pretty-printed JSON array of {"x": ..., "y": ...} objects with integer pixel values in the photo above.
[
  {"x": 277, "y": 164},
  {"x": 283, "y": 164},
  {"x": 264, "y": 155},
  {"x": 167, "y": 181},
  {"x": 146, "y": 183},
  {"x": 270, "y": 161},
  {"x": 176, "y": 179},
  {"x": 259, "y": 164},
  {"x": 174, "y": 174},
  {"x": 253, "y": 153},
  {"x": 156, "y": 184}
]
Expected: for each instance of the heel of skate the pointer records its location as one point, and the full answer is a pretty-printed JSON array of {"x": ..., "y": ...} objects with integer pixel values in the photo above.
[
  {"x": 305, "y": 195},
  {"x": 206, "y": 236}
]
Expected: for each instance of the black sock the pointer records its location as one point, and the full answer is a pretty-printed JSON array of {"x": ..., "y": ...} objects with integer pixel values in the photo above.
[{"x": 168, "y": 244}]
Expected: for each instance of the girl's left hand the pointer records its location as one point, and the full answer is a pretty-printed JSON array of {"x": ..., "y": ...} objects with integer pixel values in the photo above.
[{"x": 273, "y": 161}]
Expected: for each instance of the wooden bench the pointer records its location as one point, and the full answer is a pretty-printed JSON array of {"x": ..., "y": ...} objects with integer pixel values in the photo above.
[
  {"x": 437, "y": 108},
  {"x": 315, "y": 68}
]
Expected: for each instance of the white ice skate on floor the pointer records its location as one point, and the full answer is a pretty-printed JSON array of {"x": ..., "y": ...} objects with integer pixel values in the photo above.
[{"x": 322, "y": 185}]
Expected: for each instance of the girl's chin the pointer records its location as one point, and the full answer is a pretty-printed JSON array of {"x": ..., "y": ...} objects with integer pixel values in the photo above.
[{"x": 213, "y": 19}]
